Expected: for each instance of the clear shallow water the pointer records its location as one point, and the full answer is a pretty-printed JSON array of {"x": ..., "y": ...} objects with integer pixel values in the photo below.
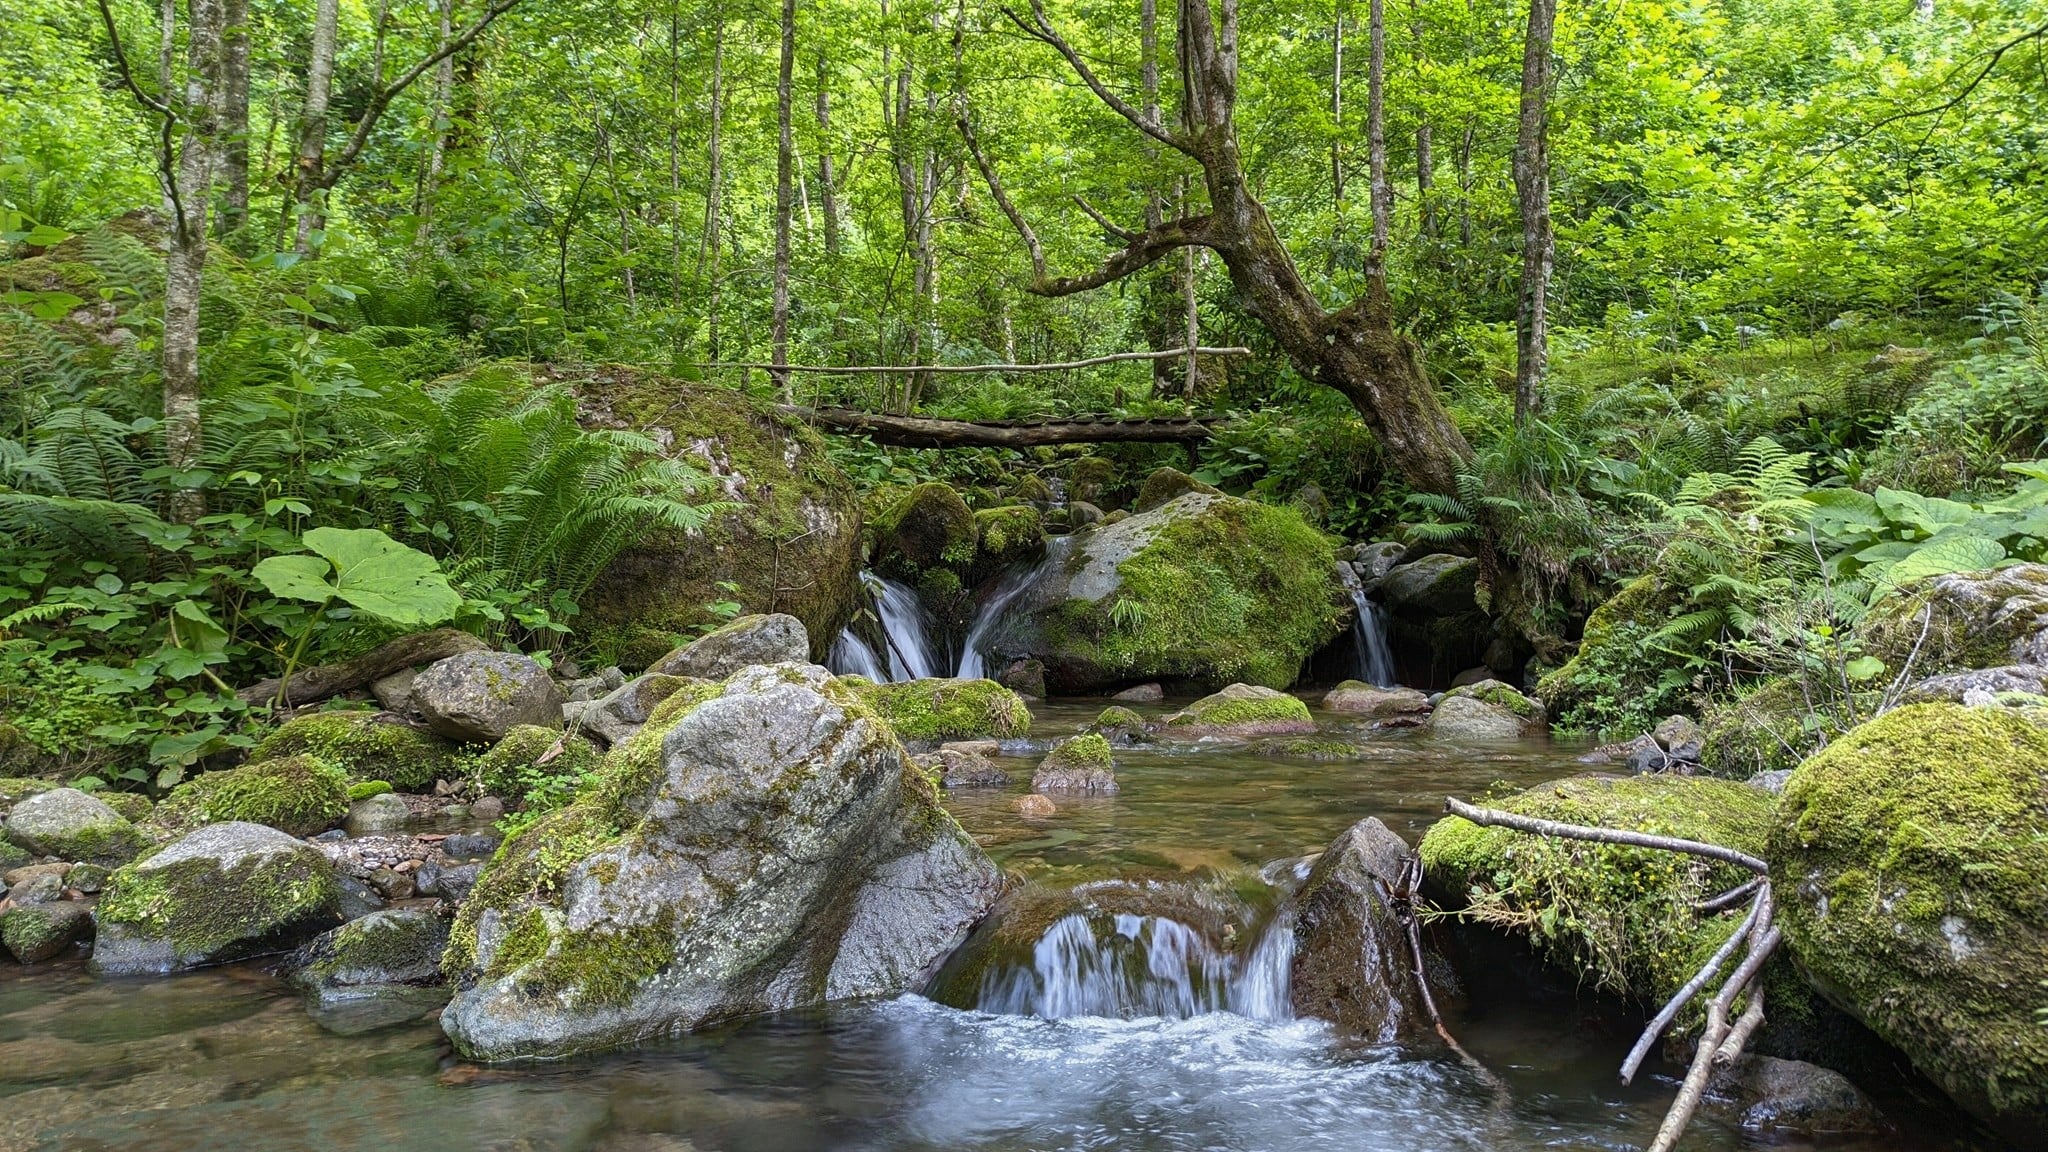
[{"x": 227, "y": 1059}]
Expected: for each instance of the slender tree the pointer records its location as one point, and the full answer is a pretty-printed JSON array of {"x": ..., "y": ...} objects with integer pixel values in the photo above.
[
  {"x": 234, "y": 124},
  {"x": 1532, "y": 191},
  {"x": 1376, "y": 139},
  {"x": 785, "y": 169},
  {"x": 714, "y": 158}
]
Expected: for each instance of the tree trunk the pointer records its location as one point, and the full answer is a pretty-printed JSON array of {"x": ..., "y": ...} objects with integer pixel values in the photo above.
[
  {"x": 828, "y": 189},
  {"x": 1425, "y": 140},
  {"x": 1337, "y": 115},
  {"x": 707, "y": 245},
  {"x": 1532, "y": 190},
  {"x": 310, "y": 165},
  {"x": 785, "y": 170},
  {"x": 611, "y": 164},
  {"x": 234, "y": 127},
  {"x": 437, "y": 138},
  {"x": 1376, "y": 140},
  {"x": 185, "y": 263}
]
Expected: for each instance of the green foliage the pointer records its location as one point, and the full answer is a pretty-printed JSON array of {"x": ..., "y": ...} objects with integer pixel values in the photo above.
[{"x": 1882, "y": 541}]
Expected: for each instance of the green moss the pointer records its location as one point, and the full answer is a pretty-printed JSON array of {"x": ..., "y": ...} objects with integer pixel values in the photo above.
[
  {"x": 1089, "y": 750},
  {"x": 531, "y": 864},
  {"x": 203, "y": 910},
  {"x": 930, "y": 526},
  {"x": 368, "y": 788},
  {"x": 1091, "y": 478},
  {"x": 1166, "y": 483},
  {"x": 1616, "y": 685},
  {"x": 943, "y": 709},
  {"x": 1032, "y": 489},
  {"x": 14, "y": 789},
  {"x": 1222, "y": 712},
  {"x": 1007, "y": 536},
  {"x": 299, "y": 794},
  {"x": 1500, "y": 696},
  {"x": 1913, "y": 854},
  {"x": 373, "y": 945},
  {"x": 1768, "y": 726},
  {"x": 365, "y": 746},
  {"x": 1117, "y": 718},
  {"x": 1621, "y": 917},
  {"x": 1306, "y": 748},
  {"x": 134, "y": 807},
  {"x": 528, "y": 757},
  {"x": 1240, "y": 592},
  {"x": 30, "y": 929}
]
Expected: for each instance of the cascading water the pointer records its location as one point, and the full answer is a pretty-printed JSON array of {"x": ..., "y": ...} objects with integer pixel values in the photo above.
[
  {"x": 974, "y": 653},
  {"x": 1374, "y": 662},
  {"x": 908, "y": 652}
]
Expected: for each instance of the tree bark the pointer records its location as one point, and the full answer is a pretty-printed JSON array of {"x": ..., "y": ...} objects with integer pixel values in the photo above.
[
  {"x": 785, "y": 170},
  {"x": 311, "y": 685},
  {"x": 828, "y": 188},
  {"x": 1376, "y": 141},
  {"x": 437, "y": 138},
  {"x": 310, "y": 163},
  {"x": 185, "y": 263},
  {"x": 707, "y": 244},
  {"x": 1532, "y": 190},
  {"x": 611, "y": 164},
  {"x": 1425, "y": 139},
  {"x": 234, "y": 211}
]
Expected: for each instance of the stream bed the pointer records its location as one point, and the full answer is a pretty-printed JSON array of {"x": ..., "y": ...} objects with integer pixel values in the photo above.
[{"x": 229, "y": 1058}]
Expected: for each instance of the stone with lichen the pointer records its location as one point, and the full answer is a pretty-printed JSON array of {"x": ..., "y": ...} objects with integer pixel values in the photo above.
[
  {"x": 1242, "y": 710},
  {"x": 1084, "y": 764},
  {"x": 223, "y": 892},
  {"x": 367, "y": 746}
]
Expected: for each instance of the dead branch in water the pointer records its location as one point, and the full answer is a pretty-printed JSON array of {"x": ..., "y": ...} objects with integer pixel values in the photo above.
[{"x": 1757, "y": 937}]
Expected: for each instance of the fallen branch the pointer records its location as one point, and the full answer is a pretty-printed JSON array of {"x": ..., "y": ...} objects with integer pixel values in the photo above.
[
  {"x": 927, "y": 432},
  {"x": 1677, "y": 1003},
  {"x": 1496, "y": 818},
  {"x": 311, "y": 685},
  {"x": 948, "y": 369}
]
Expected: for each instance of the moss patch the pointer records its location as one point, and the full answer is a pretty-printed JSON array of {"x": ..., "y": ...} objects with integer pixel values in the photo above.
[
  {"x": 301, "y": 794},
  {"x": 1912, "y": 855},
  {"x": 1089, "y": 750},
  {"x": 205, "y": 911},
  {"x": 1166, "y": 483},
  {"x": 1621, "y": 917},
  {"x": 1225, "y": 711},
  {"x": 928, "y": 527},
  {"x": 943, "y": 709},
  {"x": 1005, "y": 537},
  {"x": 1500, "y": 696},
  {"x": 366, "y": 746},
  {"x": 529, "y": 759},
  {"x": 1616, "y": 686}
]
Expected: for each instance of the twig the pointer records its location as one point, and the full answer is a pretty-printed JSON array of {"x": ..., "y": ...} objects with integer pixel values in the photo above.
[
  {"x": 1402, "y": 901},
  {"x": 1108, "y": 225},
  {"x": 1677, "y": 1003},
  {"x": 1715, "y": 1036},
  {"x": 165, "y": 172},
  {"x": 1041, "y": 29},
  {"x": 940, "y": 369},
  {"x": 1494, "y": 818},
  {"x": 1730, "y": 898}
]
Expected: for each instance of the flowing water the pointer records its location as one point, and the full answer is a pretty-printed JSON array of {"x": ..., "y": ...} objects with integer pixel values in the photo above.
[
  {"x": 910, "y": 648},
  {"x": 1133, "y": 1022},
  {"x": 1374, "y": 660},
  {"x": 995, "y": 605}
]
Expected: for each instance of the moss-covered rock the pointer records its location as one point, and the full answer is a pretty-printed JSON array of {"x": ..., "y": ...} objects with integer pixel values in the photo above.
[
  {"x": 14, "y": 789},
  {"x": 1963, "y": 620},
  {"x": 1616, "y": 685},
  {"x": 223, "y": 892},
  {"x": 134, "y": 807},
  {"x": 928, "y": 527},
  {"x": 792, "y": 511},
  {"x": 366, "y": 746},
  {"x": 1004, "y": 538},
  {"x": 38, "y": 932},
  {"x": 1911, "y": 859},
  {"x": 1165, "y": 484},
  {"x": 541, "y": 766},
  {"x": 1092, "y": 480},
  {"x": 942, "y": 708},
  {"x": 1621, "y": 917},
  {"x": 1084, "y": 763},
  {"x": 1120, "y": 725},
  {"x": 74, "y": 826},
  {"x": 767, "y": 849},
  {"x": 1242, "y": 710},
  {"x": 302, "y": 795},
  {"x": 381, "y": 969},
  {"x": 760, "y": 638},
  {"x": 1769, "y": 726},
  {"x": 1204, "y": 589}
]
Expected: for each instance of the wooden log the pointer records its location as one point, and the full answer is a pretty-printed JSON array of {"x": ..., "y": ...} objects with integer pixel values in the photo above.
[
  {"x": 310, "y": 685},
  {"x": 956, "y": 369},
  {"x": 929, "y": 432}
]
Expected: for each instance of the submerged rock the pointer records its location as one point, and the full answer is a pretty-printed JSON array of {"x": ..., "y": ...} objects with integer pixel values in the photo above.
[
  {"x": 960, "y": 768},
  {"x": 768, "y": 850},
  {"x": 1036, "y": 807},
  {"x": 477, "y": 697},
  {"x": 1205, "y": 588},
  {"x": 1792, "y": 1098},
  {"x": 381, "y": 969},
  {"x": 1083, "y": 764},
  {"x": 1351, "y": 954},
  {"x": 747, "y": 642},
  {"x": 224, "y": 892},
  {"x": 1913, "y": 887},
  {"x": 72, "y": 825},
  {"x": 1242, "y": 710}
]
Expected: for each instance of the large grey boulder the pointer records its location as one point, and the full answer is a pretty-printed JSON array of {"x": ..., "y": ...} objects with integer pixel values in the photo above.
[
  {"x": 747, "y": 642},
  {"x": 1964, "y": 620},
  {"x": 1487, "y": 710},
  {"x": 1434, "y": 620},
  {"x": 1204, "y": 589},
  {"x": 1357, "y": 698},
  {"x": 477, "y": 697},
  {"x": 1351, "y": 956},
  {"x": 623, "y": 710},
  {"x": 222, "y": 892},
  {"x": 766, "y": 850},
  {"x": 1438, "y": 584},
  {"x": 72, "y": 825},
  {"x": 1791, "y": 1098}
]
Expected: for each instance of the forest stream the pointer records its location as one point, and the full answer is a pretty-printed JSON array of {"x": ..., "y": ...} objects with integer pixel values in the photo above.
[{"x": 228, "y": 1056}]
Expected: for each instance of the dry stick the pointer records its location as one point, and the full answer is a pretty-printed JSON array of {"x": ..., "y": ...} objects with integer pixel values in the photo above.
[
  {"x": 1494, "y": 818},
  {"x": 1731, "y": 897},
  {"x": 1411, "y": 880},
  {"x": 1718, "y": 1033},
  {"x": 1692, "y": 987},
  {"x": 1064, "y": 366}
]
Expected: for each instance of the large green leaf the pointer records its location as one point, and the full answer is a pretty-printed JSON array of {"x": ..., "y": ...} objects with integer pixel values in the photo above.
[
  {"x": 367, "y": 570},
  {"x": 1953, "y": 554},
  {"x": 1929, "y": 514}
]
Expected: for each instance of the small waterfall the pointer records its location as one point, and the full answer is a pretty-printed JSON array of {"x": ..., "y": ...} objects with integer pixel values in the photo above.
[
  {"x": 1375, "y": 661},
  {"x": 1132, "y": 965},
  {"x": 851, "y": 656},
  {"x": 906, "y": 632},
  {"x": 974, "y": 661}
]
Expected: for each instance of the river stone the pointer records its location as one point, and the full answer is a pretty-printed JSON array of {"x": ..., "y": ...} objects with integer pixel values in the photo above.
[
  {"x": 929, "y": 526},
  {"x": 624, "y": 709},
  {"x": 377, "y": 815},
  {"x": 39, "y": 932},
  {"x": 1913, "y": 892},
  {"x": 1986, "y": 684},
  {"x": 477, "y": 697},
  {"x": 452, "y": 882},
  {"x": 958, "y": 769},
  {"x": 1082, "y": 764},
  {"x": 394, "y": 692},
  {"x": 1204, "y": 589},
  {"x": 1356, "y": 698},
  {"x": 471, "y": 845},
  {"x": 371, "y": 972},
  {"x": 72, "y": 825},
  {"x": 1487, "y": 710},
  {"x": 1141, "y": 694},
  {"x": 1036, "y": 807},
  {"x": 1793, "y": 1098},
  {"x": 38, "y": 887},
  {"x": 1242, "y": 710},
  {"x": 1351, "y": 955},
  {"x": 747, "y": 642},
  {"x": 1439, "y": 585},
  {"x": 222, "y": 892},
  {"x": 1372, "y": 562},
  {"x": 769, "y": 851}
]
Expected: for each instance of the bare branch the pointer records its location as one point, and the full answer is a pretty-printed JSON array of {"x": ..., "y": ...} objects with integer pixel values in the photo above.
[
  {"x": 1116, "y": 230},
  {"x": 1494, "y": 818},
  {"x": 1149, "y": 246},
  {"x": 941, "y": 369},
  {"x": 1731, "y": 897},
  {"x": 1677, "y": 1003},
  {"x": 1041, "y": 29},
  {"x": 383, "y": 97},
  {"x": 165, "y": 173},
  {"x": 1719, "y": 1044},
  {"x": 928, "y": 432},
  {"x": 1002, "y": 199}
]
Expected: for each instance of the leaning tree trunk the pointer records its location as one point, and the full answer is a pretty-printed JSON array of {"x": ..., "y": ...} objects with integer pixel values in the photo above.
[{"x": 1532, "y": 190}]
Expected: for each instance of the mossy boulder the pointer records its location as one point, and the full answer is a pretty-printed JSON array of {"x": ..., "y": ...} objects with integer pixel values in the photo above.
[
  {"x": 1621, "y": 918},
  {"x": 73, "y": 826},
  {"x": 1004, "y": 538},
  {"x": 1084, "y": 763},
  {"x": 1242, "y": 710},
  {"x": 1205, "y": 589},
  {"x": 1165, "y": 484},
  {"x": 374, "y": 971},
  {"x": 1769, "y": 726},
  {"x": 1615, "y": 685},
  {"x": 1486, "y": 710},
  {"x": 944, "y": 708},
  {"x": 760, "y": 638},
  {"x": 1963, "y": 620},
  {"x": 476, "y": 697},
  {"x": 1911, "y": 862},
  {"x": 302, "y": 795},
  {"x": 134, "y": 807},
  {"x": 366, "y": 746},
  {"x": 1357, "y": 698},
  {"x": 223, "y": 892},
  {"x": 790, "y": 540},
  {"x": 1092, "y": 480},
  {"x": 541, "y": 766},
  {"x": 1121, "y": 725},
  {"x": 38, "y": 932},
  {"x": 15, "y": 789},
  {"x": 770, "y": 849},
  {"x": 928, "y": 527}
]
